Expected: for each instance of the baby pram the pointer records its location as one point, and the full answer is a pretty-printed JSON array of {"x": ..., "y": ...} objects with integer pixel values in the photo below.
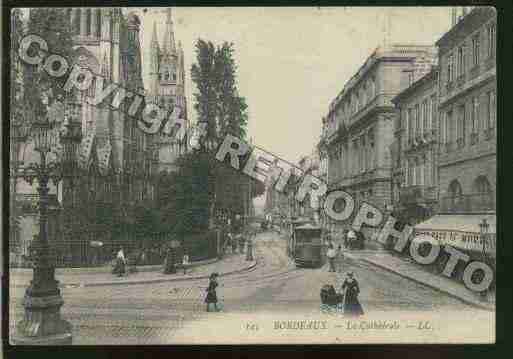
[{"x": 329, "y": 297}]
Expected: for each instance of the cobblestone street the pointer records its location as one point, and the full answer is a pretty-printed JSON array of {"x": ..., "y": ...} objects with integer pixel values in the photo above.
[{"x": 154, "y": 313}]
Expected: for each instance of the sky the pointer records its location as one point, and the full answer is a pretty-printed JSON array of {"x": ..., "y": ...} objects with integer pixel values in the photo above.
[{"x": 293, "y": 61}]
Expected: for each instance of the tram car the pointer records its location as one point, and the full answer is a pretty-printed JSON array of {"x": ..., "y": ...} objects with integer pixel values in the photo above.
[
  {"x": 307, "y": 246},
  {"x": 294, "y": 223}
]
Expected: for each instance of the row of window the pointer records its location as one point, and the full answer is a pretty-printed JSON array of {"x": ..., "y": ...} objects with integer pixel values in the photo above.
[
  {"x": 474, "y": 114},
  {"x": 420, "y": 118},
  {"x": 354, "y": 159},
  {"x": 419, "y": 171},
  {"x": 458, "y": 68},
  {"x": 357, "y": 100}
]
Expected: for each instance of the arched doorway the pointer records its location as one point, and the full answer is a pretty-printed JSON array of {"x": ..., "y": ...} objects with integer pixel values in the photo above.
[{"x": 455, "y": 195}]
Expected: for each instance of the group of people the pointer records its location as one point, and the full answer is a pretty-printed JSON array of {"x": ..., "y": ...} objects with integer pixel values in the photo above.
[
  {"x": 347, "y": 299},
  {"x": 171, "y": 261}
]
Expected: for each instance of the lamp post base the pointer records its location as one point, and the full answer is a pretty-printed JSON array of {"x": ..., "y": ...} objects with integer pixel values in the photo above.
[{"x": 42, "y": 324}]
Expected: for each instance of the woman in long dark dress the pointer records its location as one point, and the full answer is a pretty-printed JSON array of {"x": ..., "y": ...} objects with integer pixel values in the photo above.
[
  {"x": 351, "y": 304},
  {"x": 211, "y": 297}
]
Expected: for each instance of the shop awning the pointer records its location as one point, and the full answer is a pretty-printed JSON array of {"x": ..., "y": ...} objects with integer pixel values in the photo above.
[
  {"x": 461, "y": 231},
  {"x": 458, "y": 222}
]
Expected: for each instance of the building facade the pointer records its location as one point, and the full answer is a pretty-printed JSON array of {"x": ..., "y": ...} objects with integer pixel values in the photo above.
[
  {"x": 360, "y": 123},
  {"x": 117, "y": 162},
  {"x": 467, "y": 105},
  {"x": 415, "y": 150}
]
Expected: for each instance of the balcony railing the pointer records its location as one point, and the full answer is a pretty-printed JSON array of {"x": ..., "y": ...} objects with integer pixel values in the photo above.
[{"x": 471, "y": 203}]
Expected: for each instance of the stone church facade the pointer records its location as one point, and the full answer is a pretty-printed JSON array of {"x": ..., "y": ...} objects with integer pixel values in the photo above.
[{"x": 118, "y": 163}]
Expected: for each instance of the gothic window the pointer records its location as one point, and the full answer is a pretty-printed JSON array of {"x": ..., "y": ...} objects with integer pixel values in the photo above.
[
  {"x": 88, "y": 21},
  {"x": 490, "y": 110},
  {"x": 491, "y": 40},
  {"x": 98, "y": 14}
]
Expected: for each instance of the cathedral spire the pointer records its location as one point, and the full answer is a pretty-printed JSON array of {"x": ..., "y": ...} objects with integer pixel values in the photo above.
[{"x": 169, "y": 36}]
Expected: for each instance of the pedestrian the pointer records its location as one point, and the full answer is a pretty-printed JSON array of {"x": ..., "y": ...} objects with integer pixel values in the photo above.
[
  {"x": 234, "y": 244},
  {"x": 351, "y": 291},
  {"x": 331, "y": 254},
  {"x": 211, "y": 298},
  {"x": 351, "y": 239},
  {"x": 120, "y": 262},
  {"x": 241, "y": 243},
  {"x": 185, "y": 262},
  {"x": 249, "y": 250}
]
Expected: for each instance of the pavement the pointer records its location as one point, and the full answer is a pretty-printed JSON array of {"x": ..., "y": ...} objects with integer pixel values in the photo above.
[
  {"x": 90, "y": 277},
  {"x": 414, "y": 272}
]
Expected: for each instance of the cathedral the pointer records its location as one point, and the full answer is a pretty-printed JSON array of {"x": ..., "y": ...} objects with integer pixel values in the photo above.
[{"x": 118, "y": 164}]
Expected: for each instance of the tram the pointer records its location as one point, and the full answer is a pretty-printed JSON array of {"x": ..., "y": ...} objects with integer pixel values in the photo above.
[
  {"x": 307, "y": 246},
  {"x": 294, "y": 223}
]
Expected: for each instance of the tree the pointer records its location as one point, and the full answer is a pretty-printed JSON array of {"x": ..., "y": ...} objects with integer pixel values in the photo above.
[{"x": 217, "y": 100}]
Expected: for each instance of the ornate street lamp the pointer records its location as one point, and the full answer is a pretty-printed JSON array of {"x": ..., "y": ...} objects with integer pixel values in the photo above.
[
  {"x": 18, "y": 133},
  {"x": 42, "y": 323},
  {"x": 483, "y": 230}
]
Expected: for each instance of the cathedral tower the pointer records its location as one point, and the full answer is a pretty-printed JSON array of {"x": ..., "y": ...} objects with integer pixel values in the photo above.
[{"x": 167, "y": 87}]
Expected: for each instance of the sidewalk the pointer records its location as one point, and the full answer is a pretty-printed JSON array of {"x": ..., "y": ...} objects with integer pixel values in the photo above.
[
  {"x": 230, "y": 264},
  {"x": 414, "y": 272}
]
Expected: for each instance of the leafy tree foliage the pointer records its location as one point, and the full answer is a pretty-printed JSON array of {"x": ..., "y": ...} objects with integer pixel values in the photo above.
[{"x": 217, "y": 101}]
